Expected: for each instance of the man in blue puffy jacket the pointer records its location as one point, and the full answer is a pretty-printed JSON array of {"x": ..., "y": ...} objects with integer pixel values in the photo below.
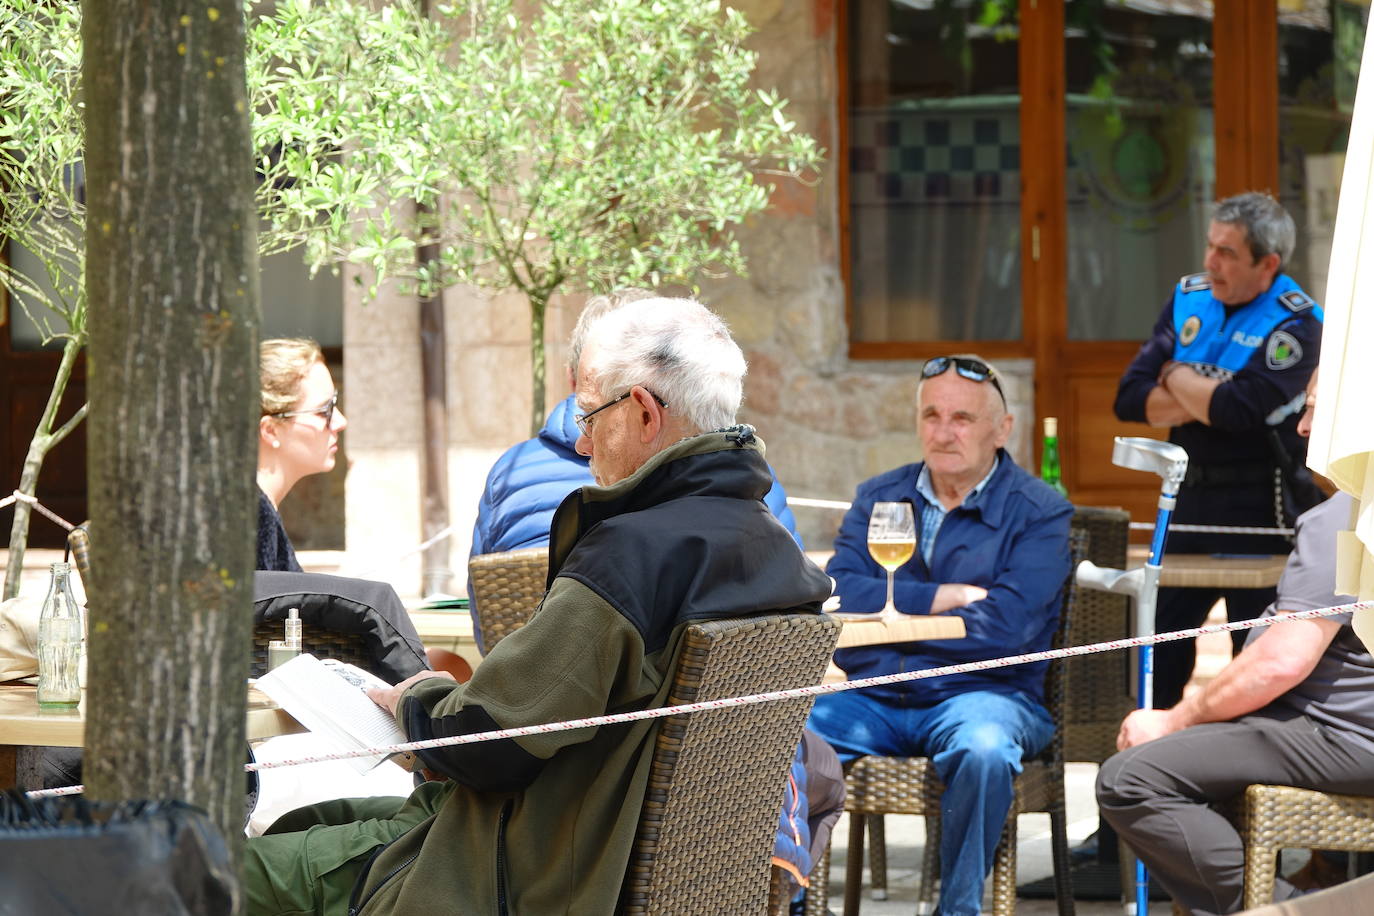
[
  {"x": 992, "y": 548},
  {"x": 527, "y": 483}
]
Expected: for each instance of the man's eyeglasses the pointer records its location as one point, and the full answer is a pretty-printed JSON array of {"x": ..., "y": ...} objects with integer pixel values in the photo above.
[
  {"x": 584, "y": 420},
  {"x": 975, "y": 370},
  {"x": 325, "y": 410}
]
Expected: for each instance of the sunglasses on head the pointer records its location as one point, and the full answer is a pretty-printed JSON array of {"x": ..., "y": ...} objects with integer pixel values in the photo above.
[{"x": 975, "y": 370}]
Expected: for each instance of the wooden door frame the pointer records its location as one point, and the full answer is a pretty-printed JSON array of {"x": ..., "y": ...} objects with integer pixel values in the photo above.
[
  {"x": 1246, "y": 131},
  {"x": 1245, "y": 127}
]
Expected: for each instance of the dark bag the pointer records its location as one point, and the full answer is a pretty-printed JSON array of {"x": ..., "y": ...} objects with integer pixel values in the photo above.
[
  {"x": 371, "y": 610},
  {"x": 72, "y": 857}
]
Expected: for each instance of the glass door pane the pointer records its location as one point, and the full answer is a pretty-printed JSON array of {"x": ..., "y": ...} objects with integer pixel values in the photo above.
[
  {"x": 1320, "y": 44},
  {"x": 1140, "y": 160},
  {"x": 934, "y": 171}
]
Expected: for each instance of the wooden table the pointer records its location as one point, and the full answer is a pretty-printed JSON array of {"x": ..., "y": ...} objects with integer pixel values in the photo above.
[
  {"x": 1204, "y": 570},
  {"x": 24, "y": 725},
  {"x": 911, "y": 628}
]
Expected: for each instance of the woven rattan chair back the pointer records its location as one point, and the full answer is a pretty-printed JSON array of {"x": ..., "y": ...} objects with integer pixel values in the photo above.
[
  {"x": 1098, "y": 687},
  {"x": 319, "y": 642},
  {"x": 506, "y": 591},
  {"x": 909, "y": 785},
  {"x": 1273, "y": 818},
  {"x": 705, "y": 835},
  {"x": 79, "y": 546}
]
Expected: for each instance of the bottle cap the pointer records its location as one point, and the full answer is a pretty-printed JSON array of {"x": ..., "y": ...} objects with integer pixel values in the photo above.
[{"x": 1052, "y": 426}]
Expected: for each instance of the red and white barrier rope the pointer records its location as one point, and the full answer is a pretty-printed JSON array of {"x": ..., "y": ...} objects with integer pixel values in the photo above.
[
  {"x": 41, "y": 509},
  {"x": 1213, "y": 529},
  {"x": 817, "y": 503},
  {"x": 792, "y": 694}
]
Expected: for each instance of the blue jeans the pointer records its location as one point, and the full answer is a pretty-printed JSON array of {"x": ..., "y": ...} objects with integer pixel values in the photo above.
[{"x": 976, "y": 741}]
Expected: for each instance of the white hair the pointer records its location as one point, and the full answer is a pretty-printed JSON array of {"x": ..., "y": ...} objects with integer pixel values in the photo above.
[
  {"x": 676, "y": 348},
  {"x": 594, "y": 308}
]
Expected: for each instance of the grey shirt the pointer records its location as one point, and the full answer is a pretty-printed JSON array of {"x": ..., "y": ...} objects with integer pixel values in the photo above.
[{"x": 1339, "y": 693}]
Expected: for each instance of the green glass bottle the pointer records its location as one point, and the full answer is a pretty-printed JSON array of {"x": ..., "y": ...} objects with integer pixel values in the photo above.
[{"x": 1049, "y": 457}]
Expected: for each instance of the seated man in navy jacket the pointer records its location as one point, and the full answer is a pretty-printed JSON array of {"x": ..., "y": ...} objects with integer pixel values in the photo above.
[{"x": 993, "y": 548}]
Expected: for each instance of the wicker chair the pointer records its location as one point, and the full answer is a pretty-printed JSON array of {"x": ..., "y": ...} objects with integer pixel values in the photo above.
[
  {"x": 319, "y": 642},
  {"x": 506, "y": 591},
  {"x": 1341, "y": 900},
  {"x": 79, "y": 546},
  {"x": 705, "y": 834},
  {"x": 909, "y": 785},
  {"x": 1097, "y": 688},
  {"x": 1272, "y": 818}
]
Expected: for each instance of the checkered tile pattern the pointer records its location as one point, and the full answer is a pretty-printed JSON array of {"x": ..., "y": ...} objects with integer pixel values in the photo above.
[{"x": 918, "y": 157}]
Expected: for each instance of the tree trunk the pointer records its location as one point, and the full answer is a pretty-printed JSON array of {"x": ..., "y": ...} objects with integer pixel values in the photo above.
[
  {"x": 539, "y": 306},
  {"x": 172, "y": 279},
  {"x": 436, "y": 574},
  {"x": 44, "y": 440}
]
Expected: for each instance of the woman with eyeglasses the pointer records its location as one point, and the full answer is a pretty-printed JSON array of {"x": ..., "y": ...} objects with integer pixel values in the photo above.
[{"x": 298, "y": 435}]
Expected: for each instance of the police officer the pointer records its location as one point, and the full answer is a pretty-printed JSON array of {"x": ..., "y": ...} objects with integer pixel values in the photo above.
[{"x": 1226, "y": 369}]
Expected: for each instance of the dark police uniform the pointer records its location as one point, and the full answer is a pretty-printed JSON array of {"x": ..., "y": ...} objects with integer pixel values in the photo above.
[{"x": 1249, "y": 466}]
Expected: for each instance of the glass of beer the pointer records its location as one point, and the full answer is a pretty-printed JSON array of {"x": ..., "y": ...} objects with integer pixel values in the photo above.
[{"x": 891, "y": 542}]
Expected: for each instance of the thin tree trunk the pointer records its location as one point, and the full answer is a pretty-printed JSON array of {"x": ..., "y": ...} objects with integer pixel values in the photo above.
[
  {"x": 44, "y": 440},
  {"x": 539, "y": 306},
  {"x": 436, "y": 573},
  {"x": 172, "y": 279}
]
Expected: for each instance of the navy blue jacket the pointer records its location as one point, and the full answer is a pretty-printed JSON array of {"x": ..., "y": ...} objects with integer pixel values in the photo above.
[
  {"x": 527, "y": 483},
  {"x": 1013, "y": 541}
]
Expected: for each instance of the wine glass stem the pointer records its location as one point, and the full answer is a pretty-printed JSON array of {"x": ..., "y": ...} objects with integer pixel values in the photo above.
[{"x": 890, "y": 607}]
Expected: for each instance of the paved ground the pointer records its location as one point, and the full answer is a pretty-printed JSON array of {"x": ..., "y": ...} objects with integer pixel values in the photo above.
[{"x": 906, "y": 839}]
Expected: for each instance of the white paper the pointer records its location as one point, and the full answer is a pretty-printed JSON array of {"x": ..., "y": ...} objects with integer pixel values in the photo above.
[{"x": 327, "y": 698}]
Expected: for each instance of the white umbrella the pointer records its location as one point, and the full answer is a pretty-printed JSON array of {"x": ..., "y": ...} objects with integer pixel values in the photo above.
[{"x": 1342, "y": 432}]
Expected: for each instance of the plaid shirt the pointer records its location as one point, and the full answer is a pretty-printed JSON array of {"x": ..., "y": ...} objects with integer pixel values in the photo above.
[{"x": 933, "y": 511}]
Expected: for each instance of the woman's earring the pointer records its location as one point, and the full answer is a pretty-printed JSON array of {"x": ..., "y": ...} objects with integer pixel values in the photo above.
[{"x": 276, "y": 443}]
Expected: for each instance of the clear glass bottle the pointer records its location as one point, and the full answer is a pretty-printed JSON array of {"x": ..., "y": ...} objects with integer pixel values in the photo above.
[
  {"x": 1050, "y": 471},
  {"x": 61, "y": 639}
]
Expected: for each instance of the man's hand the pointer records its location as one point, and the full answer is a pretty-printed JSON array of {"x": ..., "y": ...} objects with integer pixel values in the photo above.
[
  {"x": 1190, "y": 389},
  {"x": 955, "y": 594},
  {"x": 388, "y": 698},
  {"x": 1162, "y": 409},
  {"x": 1145, "y": 725}
]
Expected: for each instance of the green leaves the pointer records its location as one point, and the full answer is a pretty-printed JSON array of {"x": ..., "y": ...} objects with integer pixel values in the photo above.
[{"x": 586, "y": 142}]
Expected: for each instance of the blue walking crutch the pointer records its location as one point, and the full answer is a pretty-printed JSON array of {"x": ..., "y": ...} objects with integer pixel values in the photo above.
[{"x": 1170, "y": 462}]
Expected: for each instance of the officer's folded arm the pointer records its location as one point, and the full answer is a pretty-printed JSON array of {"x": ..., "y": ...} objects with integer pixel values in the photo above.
[
  {"x": 1163, "y": 409},
  {"x": 1192, "y": 391}
]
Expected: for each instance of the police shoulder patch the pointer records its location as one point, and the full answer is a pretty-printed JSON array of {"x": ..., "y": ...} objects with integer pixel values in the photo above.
[
  {"x": 1194, "y": 282},
  {"x": 1295, "y": 300},
  {"x": 1283, "y": 351},
  {"x": 1188, "y": 333}
]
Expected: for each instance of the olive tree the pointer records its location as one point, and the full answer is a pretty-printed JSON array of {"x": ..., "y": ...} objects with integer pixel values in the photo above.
[
  {"x": 345, "y": 63},
  {"x": 561, "y": 145}
]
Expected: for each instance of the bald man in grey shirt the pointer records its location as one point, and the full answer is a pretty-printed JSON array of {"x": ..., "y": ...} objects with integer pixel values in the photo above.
[{"x": 1295, "y": 708}]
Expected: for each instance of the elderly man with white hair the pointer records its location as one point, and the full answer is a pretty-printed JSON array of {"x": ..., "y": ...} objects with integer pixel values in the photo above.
[
  {"x": 675, "y": 532},
  {"x": 992, "y": 548}
]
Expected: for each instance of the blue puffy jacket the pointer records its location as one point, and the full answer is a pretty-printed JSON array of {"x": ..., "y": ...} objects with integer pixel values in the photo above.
[{"x": 527, "y": 483}]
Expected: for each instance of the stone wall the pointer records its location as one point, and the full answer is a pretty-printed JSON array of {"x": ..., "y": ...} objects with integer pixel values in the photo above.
[{"x": 829, "y": 421}]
